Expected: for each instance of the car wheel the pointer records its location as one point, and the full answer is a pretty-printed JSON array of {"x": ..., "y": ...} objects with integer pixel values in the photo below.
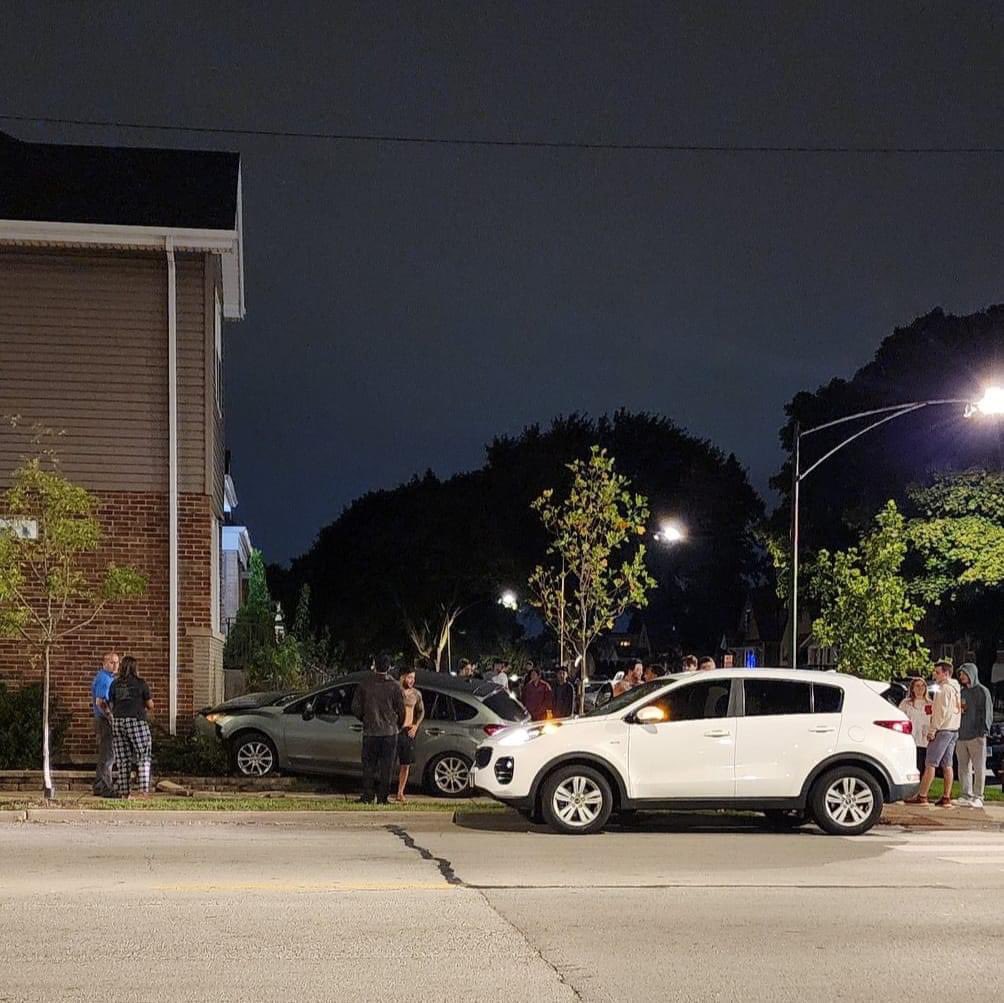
[
  {"x": 846, "y": 801},
  {"x": 446, "y": 776},
  {"x": 576, "y": 799},
  {"x": 253, "y": 755},
  {"x": 781, "y": 819}
]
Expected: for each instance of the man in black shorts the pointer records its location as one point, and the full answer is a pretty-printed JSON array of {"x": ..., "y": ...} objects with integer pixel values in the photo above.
[{"x": 414, "y": 715}]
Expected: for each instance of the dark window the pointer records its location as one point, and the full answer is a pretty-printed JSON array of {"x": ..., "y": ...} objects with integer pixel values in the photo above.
[
  {"x": 776, "y": 696},
  {"x": 696, "y": 702},
  {"x": 827, "y": 699},
  {"x": 334, "y": 702},
  {"x": 463, "y": 711},
  {"x": 505, "y": 707}
]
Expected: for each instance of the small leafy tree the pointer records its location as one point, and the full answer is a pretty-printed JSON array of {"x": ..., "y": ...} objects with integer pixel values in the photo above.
[
  {"x": 597, "y": 568},
  {"x": 431, "y": 640},
  {"x": 865, "y": 608},
  {"x": 50, "y": 587}
]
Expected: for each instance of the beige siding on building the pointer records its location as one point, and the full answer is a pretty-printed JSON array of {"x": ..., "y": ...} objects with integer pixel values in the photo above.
[{"x": 83, "y": 350}]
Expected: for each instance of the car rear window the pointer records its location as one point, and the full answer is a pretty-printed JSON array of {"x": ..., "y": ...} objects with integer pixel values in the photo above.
[
  {"x": 827, "y": 699},
  {"x": 766, "y": 697},
  {"x": 505, "y": 707}
]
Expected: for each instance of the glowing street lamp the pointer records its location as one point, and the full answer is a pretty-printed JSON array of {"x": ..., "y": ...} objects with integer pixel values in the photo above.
[
  {"x": 670, "y": 533},
  {"x": 991, "y": 403},
  {"x": 509, "y": 600}
]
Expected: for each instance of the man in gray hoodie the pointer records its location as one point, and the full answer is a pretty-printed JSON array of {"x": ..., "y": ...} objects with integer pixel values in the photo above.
[{"x": 977, "y": 716}]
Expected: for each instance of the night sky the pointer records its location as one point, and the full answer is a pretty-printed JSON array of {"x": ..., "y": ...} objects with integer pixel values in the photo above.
[{"x": 406, "y": 303}]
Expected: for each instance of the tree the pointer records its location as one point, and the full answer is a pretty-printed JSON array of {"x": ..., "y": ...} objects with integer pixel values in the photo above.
[
  {"x": 431, "y": 640},
  {"x": 51, "y": 583},
  {"x": 866, "y": 612},
  {"x": 595, "y": 535},
  {"x": 957, "y": 538},
  {"x": 397, "y": 556}
]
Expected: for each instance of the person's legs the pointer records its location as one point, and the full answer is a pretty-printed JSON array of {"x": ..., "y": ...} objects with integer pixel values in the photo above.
[
  {"x": 143, "y": 744},
  {"x": 120, "y": 743},
  {"x": 402, "y": 781},
  {"x": 921, "y": 756},
  {"x": 385, "y": 763},
  {"x": 405, "y": 757},
  {"x": 369, "y": 767},
  {"x": 979, "y": 756},
  {"x": 103, "y": 783},
  {"x": 964, "y": 753}
]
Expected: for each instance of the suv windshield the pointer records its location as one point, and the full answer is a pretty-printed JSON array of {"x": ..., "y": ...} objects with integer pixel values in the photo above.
[
  {"x": 626, "y": 699},
  {"x": 504, "y": 705}
]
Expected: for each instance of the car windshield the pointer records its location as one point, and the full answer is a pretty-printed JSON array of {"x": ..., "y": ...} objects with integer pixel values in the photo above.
[{"x": 626, "y": 699}]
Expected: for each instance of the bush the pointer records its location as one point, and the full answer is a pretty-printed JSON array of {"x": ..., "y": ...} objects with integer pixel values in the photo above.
[
  {"x": 21, "y": 728},
  {"x": 189, "y": 755}
]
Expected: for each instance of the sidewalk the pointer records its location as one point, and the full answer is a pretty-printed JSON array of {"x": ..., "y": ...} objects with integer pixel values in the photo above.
[{"x": 990, "y": 817}]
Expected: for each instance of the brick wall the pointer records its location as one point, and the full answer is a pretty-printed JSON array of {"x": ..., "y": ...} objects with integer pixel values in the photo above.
[{"x": 135, "y": 534}]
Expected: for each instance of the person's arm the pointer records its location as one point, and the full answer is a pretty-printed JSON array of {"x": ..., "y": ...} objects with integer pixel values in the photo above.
[{"x": 419, "y": 712}]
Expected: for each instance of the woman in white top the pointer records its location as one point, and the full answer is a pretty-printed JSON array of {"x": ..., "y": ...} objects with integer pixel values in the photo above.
[{"x": 917, "y": 708}]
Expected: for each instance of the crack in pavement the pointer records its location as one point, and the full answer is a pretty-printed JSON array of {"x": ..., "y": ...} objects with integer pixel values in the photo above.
[
  {"x": 445, "y": 867},
  {"x": 451, "y": 878}
]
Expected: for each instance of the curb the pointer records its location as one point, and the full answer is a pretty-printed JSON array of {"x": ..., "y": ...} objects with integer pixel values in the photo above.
[{"x": 319, "y": 819}]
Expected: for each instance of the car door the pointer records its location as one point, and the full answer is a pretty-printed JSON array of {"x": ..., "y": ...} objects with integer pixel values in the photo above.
[
  {"x": 331, "y": 739},
  {"x": 781, "y": 738},
  {"x": 690, "y": 754}
]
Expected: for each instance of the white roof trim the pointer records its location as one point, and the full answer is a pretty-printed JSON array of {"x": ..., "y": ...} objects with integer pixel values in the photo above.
[
  {"x": 237, "y": 538},
  {"x": 227, "y": 243},
  {"x": 229, "y": 494}
]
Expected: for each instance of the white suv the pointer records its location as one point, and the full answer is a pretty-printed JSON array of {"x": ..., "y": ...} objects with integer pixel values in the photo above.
[{"x": 796, "y": 745}]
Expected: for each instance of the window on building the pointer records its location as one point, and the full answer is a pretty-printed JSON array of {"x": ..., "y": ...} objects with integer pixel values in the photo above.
[
  {"x": 776, "y": 696},
  {"x": 218, "y": 341}
]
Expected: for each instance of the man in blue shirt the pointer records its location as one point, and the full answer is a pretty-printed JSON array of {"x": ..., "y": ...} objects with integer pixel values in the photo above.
[{"x": 103, "y": 785}]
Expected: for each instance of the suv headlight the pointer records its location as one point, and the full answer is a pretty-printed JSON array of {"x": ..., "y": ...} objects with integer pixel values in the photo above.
[{"x": 523, "y": 735}]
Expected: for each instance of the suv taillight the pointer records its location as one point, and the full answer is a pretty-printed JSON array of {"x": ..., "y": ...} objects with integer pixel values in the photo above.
[
  {"x": 903, "y": 727},
  {"x": 490, "y": 729}
]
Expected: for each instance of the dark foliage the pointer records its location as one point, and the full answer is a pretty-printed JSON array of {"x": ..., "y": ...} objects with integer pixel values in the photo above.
[
  {"x": 402, "y": 552},
  {"x": 189, "y": 755},
  {"x": 21, "y": 728}
]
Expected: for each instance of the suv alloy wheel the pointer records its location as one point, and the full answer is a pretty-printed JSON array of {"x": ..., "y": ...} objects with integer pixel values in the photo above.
[
  {"x": 576, "y": 799},
  {"x": 846, "y": 801},
  {"x": 447, "y": 775}
]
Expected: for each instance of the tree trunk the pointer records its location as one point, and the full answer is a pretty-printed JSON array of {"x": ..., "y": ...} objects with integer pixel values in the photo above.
[{"x": 47, "y": 791}]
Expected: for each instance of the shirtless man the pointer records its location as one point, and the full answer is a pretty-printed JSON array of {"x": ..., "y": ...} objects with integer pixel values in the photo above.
[
  {"x": 631, "y": 679},
  {"x": 414, "y": 715}
]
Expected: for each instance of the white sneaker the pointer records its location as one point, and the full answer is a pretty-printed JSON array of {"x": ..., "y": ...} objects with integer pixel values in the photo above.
[
  {"x": 964, "y": 801},
  {"x": 976, "y": 803}
]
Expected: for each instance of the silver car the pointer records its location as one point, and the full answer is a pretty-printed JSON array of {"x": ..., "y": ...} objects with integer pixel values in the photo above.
[{"x": 317, "y": 732}]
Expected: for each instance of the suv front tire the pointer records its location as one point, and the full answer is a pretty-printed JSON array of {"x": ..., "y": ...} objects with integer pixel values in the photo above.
[{"x": 576, "y": 800}]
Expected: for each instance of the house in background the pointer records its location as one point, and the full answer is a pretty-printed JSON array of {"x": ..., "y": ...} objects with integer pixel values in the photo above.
[
  {"x": 118, "y": 269},
  {"x": 756, "y": 640},
  {"x": 236, "y": 558}
]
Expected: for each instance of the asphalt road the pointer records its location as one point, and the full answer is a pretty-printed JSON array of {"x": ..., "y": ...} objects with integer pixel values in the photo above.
[{"x": 429, "y": 910}]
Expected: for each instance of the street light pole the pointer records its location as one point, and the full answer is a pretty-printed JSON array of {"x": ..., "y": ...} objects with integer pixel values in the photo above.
[{"x": 991, "y": 404}]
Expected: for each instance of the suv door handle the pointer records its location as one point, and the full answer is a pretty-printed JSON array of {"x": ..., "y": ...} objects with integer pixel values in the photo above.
[
  {"x": 355, "y": 727},
  {"x": 717, "y": 733},
  {"x": 434, "y": 731},
  {"x": 822, "y": 729}
]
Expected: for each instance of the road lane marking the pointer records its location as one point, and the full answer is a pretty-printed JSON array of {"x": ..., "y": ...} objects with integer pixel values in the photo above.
[{"x": 298, "y": 886}]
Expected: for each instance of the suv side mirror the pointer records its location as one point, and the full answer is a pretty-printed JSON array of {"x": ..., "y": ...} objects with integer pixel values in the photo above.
[
  {"x": 650, "y": 715},
  {"x": 308, "y": 710}
]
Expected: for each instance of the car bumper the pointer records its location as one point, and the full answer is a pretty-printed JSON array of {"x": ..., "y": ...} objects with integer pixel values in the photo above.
[
  {"x": 505, "y": 775},
  {"x": 900, "y": 792}
]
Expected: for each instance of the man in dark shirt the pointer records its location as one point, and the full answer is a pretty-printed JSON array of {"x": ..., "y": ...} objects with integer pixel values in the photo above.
[
  {"x": 563, "y": 695},
  {"x": 379, "y": 703}
]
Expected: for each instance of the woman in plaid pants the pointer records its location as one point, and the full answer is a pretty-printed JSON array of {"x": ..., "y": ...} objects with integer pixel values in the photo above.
[{"x": 129, "y": 699}]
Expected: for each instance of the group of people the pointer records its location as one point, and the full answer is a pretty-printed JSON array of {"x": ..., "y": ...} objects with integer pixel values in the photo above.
[
  {"x": 120, "y": 701},
  {"x": 953, "y": 725}
]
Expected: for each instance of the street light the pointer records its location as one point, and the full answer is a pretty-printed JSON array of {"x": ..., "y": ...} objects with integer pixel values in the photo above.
[
  {"x": 509, "y": 600},
  {"x": 990, "y": 404},
  {"x": 670, "y": 533}
]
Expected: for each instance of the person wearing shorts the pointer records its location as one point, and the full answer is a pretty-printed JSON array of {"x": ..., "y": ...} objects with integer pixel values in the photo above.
[
  {"x": 942, "y": 734},
  {"x": 414, "y": 715}
]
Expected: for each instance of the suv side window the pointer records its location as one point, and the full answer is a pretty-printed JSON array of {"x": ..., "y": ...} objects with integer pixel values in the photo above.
[
  {"x": 827, "y": 699},
  {"x": 336, "y": 702},
  {"x": 769, "y": 697},
  {"x": 696, "y": 701}
]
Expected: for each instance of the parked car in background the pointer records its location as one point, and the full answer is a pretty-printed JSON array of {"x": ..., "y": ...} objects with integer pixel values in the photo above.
[
  {"x": 797, "y": 745},
  {"x": 317, "y": 733}
]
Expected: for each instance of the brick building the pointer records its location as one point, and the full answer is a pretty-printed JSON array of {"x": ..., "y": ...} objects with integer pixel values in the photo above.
[{"x": 118, "y": 268}]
